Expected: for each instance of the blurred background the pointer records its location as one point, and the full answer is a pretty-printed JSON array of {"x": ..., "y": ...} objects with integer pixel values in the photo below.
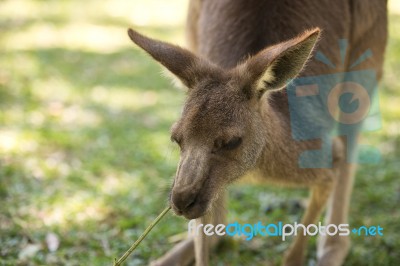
[{"x": 85, "y": 156}]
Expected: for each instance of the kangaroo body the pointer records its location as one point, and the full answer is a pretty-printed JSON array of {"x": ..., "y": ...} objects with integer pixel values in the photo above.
[{"x": 237, "y": 120}]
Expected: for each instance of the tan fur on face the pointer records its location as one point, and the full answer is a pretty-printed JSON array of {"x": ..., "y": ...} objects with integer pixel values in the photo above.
[{"x": 223, "y": 106}]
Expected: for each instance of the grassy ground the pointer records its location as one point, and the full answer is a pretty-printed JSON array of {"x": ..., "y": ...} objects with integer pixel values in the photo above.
[{"x": 85, "y": 156}]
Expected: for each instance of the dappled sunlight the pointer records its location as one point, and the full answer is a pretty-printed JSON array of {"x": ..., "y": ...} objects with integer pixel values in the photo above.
[
  {"x": 390, "y": 107},
  {"x": 394, "y": 6},
  {"x": 14, "y": 141},
  {"x": 126, "y": 98},
  {"x": 393, "y": 129},
  {"x": 72, "y": 116},
  {"x": 53, "y": 89},
  {"x": 114, "y": 183},
  {"x": 143, "y": 13},
  {"x": 71, "y": 28},
  {"x": 8, "y": 140},
  {"x": 52, "y": 166},
  {"x": 156, "y": 12},
  {"x": 24, "y": 65},
  {"x": 77, "y": 208},
  {"x": 83, "y": 36}
]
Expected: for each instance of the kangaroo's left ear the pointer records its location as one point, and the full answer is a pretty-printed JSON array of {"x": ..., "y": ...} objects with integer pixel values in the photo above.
[
  {"x": 273, "y": 67},
  {"x": 185, "y": 65}
]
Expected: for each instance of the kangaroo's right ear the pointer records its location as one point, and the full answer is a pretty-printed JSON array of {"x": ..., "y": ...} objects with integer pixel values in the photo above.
[
  {"x": 186, "y": 66},
  {"x": 273, "y": 67}
]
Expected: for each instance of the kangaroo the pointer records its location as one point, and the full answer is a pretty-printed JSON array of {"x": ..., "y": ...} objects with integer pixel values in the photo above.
[{"x": 236, "y": 118}]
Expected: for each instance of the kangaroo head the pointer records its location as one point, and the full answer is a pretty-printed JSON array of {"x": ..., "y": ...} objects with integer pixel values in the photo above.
[{"x": 222, "y": 130}]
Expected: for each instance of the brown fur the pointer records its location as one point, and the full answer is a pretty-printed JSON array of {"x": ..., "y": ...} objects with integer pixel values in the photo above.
[{"x": 236, "y": 121}]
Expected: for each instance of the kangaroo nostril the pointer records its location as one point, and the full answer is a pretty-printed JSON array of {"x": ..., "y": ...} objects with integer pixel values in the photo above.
[
  {"x": 183, "y": 200},
  {"x": 191, "y": 203}
]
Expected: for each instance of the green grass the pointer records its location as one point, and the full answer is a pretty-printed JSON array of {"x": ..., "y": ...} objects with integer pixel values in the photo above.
[{"x": 85, "y": 150}]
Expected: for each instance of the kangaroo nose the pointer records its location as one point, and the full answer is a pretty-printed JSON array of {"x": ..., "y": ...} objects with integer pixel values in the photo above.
[{"x": 183, "y": 199}]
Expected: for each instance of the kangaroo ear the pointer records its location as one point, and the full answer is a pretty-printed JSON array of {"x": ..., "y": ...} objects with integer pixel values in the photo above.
[
  {"x": 186, "y": 66},
  {"x": 273, "y": 67}
]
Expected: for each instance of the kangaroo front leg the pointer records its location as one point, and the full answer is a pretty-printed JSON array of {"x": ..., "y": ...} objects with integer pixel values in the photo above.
[
  {"x": 195, "y": 247},
  {"x": 319, "y": 196},
  {"x": 180, "y": 255},
  {"x": 332, "y": 250},
  {"x": 201, "y": 243},
  {"x": 204, "y": 243}
]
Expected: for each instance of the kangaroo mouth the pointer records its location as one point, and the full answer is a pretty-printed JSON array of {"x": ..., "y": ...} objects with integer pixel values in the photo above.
[
  {"x": 192, "y": 208},
  {"x": 195, "y": 210}
]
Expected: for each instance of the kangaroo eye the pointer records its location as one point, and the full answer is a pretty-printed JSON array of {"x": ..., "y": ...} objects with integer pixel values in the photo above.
[{"x": 232, "y": 143}]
